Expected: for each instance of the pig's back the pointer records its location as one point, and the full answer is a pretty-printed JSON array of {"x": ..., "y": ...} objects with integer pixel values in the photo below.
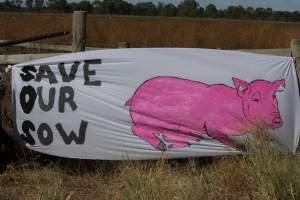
[{"x": 179, "y": 101}]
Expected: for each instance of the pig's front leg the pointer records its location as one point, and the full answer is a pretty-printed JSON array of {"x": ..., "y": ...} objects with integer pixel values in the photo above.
[{"x": 218, "y": 135}]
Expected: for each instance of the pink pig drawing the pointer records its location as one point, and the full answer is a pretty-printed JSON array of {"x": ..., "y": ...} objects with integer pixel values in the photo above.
[{"x": 176, "y": 111}]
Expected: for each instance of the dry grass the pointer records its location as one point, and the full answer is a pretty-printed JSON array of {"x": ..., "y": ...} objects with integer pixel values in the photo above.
[
  {"x": 107, "y": 31},
  {"x": 263, "y": 174},
  {"x": 6, "y": 107}
]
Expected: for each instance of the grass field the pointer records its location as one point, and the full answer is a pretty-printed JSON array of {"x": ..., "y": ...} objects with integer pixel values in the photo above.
[
  {"x": 263, "y": 174},
  {"x": 107, "y": 31}
]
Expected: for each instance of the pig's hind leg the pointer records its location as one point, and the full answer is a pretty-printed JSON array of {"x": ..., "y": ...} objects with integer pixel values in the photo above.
[
  {"x": 150, "y": 135},
  {"x": 180, "y": 138}
]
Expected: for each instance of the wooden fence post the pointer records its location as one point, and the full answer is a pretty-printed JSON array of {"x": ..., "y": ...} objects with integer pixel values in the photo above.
[
  {"x": 79, "y": 31},
  {"x": 295, "y": 48}
]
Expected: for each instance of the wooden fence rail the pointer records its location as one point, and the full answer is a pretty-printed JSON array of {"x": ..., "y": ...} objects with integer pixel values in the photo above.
[
  {"x": 43, "y": 46},
  {"x": 34, "y": 38}
]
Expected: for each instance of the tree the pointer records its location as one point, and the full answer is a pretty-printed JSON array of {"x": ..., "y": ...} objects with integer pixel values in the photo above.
[
  {"x": 120, "y": 7},
  {"x": 201, "y": 11},
  {"x": 269, "y": 13},
  {"x": 259, "y": 13},
  {"x": 188, "y": 8},
  {"x": 29, "y": 4},
  {"x": 107, "y": 7},
  {"x": 98, "y": 8},
  {"x": 235, "y": 12},
  {"x": 59, "y": 5},
  {"x": 62, "y": 5},
  {"x": 210, "y": 11},
  {"x": 250, "y": 13},
  {"x": 295, "y": 16},
  {"x": 168, "y": 10},
  {"x": 82, "y": 5},
  {"x": 146, "y": 8}
]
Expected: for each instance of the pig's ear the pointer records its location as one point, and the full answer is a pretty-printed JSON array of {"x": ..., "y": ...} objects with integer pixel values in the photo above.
[
  {"x": 241, "y": 86},
  {"x": 279, "y": 85}
]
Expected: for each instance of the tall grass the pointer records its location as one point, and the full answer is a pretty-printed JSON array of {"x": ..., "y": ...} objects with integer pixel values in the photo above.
[
  {"x": 107, "y": 31},
  {"x": 264, "y": 173}
]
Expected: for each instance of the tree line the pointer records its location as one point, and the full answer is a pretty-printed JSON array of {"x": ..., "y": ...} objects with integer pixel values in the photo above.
[{"x": 187, "y": 8}]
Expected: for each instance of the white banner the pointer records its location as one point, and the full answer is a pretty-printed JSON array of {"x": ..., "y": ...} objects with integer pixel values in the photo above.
[{"x": 137, "y": 103}]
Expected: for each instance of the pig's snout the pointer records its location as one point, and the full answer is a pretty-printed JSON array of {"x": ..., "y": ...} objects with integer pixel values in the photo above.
[{"x": 277, "y": 122}]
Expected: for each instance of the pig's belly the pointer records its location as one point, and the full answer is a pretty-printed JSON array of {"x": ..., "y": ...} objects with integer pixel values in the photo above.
[{"x": 170, "y": 103}]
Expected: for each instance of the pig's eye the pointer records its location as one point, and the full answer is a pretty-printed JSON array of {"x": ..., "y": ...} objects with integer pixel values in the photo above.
[
  {"x": 255, "y": 99},
  {"x": 274, "y": 96}
]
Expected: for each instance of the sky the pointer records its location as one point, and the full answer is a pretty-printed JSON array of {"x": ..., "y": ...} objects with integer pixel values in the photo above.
[{"x": 283, "y": 5}]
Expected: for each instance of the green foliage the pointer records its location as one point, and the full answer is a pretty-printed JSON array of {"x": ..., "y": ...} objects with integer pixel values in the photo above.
[
  {"x": 82, "y": 5},
  {"x": 58, "y": 5},
  {"x": 210, "y": 11},
  {"x": 168, "y": 10},
  {"x": 188, "y": 8},
  {"x": 145, "y": 8}
]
